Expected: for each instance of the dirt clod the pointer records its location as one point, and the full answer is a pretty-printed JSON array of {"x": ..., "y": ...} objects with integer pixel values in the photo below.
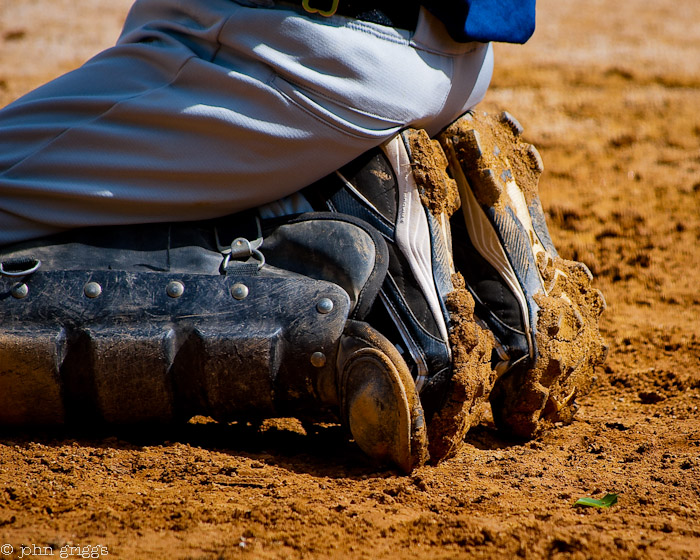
[
  {"x": 472, "y": 378},
  {"x": 438, "y": 190}
]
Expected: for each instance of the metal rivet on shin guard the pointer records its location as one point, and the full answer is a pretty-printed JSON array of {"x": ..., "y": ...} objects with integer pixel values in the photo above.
[
  {"x": 239, "y": 291},
  {"x": 92, "y": 290},
  {"x": 175, "y": 289},
  {"x": 20, "y": 290},
  {"x": 318, "y": 359},
  {"x": 325, "y": 306}
]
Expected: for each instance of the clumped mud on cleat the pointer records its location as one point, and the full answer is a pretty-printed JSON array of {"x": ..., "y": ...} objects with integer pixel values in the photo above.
[
  {"x": 463, "y": 396},
  {"x": 467, "y": 396},
  {"x": 569, "y": 347},
  {"x": 542, "y": 309},
  {"x": 438, "y": 191}
]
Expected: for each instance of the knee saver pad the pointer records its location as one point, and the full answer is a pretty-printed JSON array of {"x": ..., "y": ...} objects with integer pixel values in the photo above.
[{"x": 141, "y": 324}]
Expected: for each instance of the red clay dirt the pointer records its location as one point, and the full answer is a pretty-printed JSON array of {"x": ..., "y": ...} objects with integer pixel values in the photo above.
[{"x": 609, "y": 93}]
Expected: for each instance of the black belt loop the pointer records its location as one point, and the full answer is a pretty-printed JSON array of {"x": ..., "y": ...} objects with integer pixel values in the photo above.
[{"x": 393, "y": 13}]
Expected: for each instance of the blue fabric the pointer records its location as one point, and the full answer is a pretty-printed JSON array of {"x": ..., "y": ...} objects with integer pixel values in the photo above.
[{"x": 507, "y": 21}]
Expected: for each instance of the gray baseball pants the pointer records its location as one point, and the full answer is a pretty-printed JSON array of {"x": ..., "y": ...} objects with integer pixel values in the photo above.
[{"x": 208, "y": 107}]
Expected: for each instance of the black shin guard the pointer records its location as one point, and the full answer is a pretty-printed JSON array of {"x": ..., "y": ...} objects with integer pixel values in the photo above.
[{"x": 157, "y": 323}]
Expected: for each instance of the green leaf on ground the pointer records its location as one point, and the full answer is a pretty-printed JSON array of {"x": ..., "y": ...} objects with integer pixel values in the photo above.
[{"x": 605, "y": 502}]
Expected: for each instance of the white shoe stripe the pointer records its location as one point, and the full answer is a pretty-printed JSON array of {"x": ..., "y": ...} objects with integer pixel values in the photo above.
[
  {"x": 523, "y": 214},
  {"x": 486, "y": 241},
  {"x": 412, "y": 232}
]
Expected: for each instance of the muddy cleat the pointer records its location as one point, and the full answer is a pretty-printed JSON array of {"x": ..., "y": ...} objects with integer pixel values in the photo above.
[
  {"x": 403, "y": 191},
  {"x": 542, "y": 310},
  {"x": 230, "y": 318}
]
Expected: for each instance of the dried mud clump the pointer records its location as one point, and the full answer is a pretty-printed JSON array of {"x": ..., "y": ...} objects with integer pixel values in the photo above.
[
  {"x": 467, "y": 391},
  {"x": 569, "y": 347},
  {"x": 472, "y": 379},
  {"x": 438, "y": 191},
  {"x": 491, "y": 143},
  {"x": 497, "y": 163}
]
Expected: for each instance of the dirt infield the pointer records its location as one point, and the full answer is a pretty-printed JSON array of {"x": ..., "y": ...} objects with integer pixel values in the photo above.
[{"x": 609, "y": 92}]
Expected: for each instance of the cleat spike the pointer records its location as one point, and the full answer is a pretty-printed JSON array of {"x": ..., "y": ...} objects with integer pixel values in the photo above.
[
  {"x": 491, "y": 187},
  {"x": 535, "y": 158},
  {"x": 512, "y": 123},
  {"x": 471, "y": 143},
  {"x": 570, "y": 398},
  {"x": 600, "y": 304},
  {"x": 585, "y": 270}
]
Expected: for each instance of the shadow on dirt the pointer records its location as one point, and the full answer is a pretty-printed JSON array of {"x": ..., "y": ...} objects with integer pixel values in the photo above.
[
  {"x": 321, "y": 450},
  {"x": 487, "y": 437}
]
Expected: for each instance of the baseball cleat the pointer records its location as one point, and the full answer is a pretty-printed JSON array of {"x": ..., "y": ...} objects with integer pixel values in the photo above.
[{"x": 542, "y": 309}]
